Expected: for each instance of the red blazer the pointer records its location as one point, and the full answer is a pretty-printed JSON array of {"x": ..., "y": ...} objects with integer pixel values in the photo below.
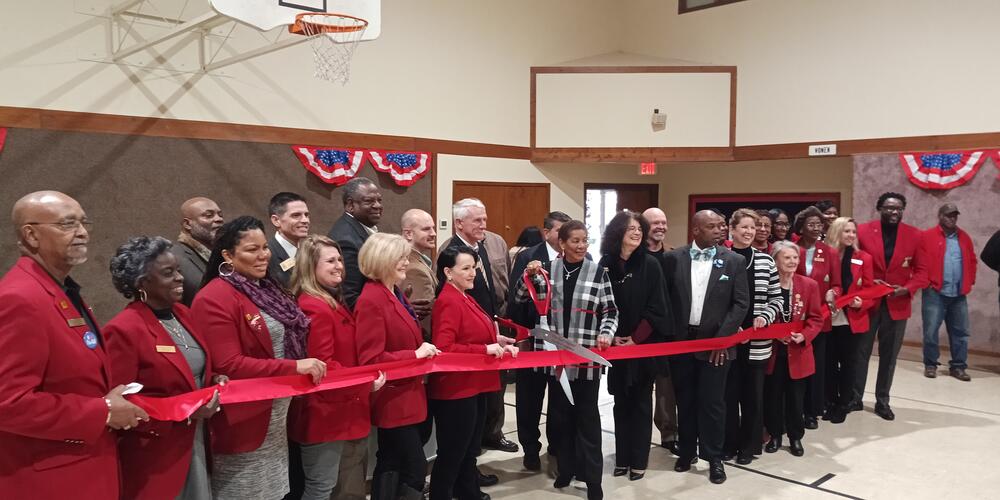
[
  {"x": 52, "y": 435},
  {"x": 460, "y": 325},
  {"x": 389, "y": 333},
  {"x": 154, "y": 455},
  {"x": 906, "y": 269},
  {"x": 862, "y": 277},
  {"x": 933, "y": 246},
  {"x": 806, "y": 306},
  {"x": 825, "y": 272},
  {"x": 340, "y": 414},
  {"x": 241, "y": 348}
]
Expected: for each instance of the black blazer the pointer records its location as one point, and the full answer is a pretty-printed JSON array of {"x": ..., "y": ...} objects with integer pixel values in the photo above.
[
  {"x": 726, "y": 300},
  {"x": 350, "y": 235},
  {"x": 278, "y": 255},
  {"x": 192, "y": 267},
  {"x": 482, "y": 291}
]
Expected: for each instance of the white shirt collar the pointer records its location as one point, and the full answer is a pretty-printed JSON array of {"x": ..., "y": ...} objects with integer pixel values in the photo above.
[
  {"x": 474, "y": 246},
  {"x": 371, "y": 229},
  {"x": 290, "y": 248},
  {"x": 553, "y": 253}
]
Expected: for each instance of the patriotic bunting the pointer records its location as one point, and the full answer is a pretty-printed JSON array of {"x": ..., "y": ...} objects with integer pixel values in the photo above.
[
  {"x": 3, "y": 137},
  {"x": 941, "y": 171},
  {"x": 405, "y": 168},
  {"x": 332, "y": 165}
]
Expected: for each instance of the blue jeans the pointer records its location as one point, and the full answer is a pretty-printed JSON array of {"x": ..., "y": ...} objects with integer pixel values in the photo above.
[{"x": 954, "y": 312}]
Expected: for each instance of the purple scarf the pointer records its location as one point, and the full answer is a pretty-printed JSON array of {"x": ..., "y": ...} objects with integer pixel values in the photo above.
[{"x": 272, "y": 300}]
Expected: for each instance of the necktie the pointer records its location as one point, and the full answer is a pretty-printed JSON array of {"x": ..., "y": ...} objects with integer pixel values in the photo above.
[{"x": 706, "y": 254}]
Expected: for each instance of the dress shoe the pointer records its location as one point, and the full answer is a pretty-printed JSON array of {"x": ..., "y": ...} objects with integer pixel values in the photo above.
[
  {"x": 930, "y": 371},
  {"x": 483, "y": 496},
  {"x": 795, "y": 446},
  {"x": 810, "y": 423},
  {"x": 620, "y": 471},
  {"x": 855, "y": 406},
  {"x": 502, "y": 444},
  {"x": 838, "y": 415},
  {"x": 671, "y": 446},
  {"x": 773, "y": 445},
  {"x": 744, "y": 458},
  {"x": 683, "y": 464},
  {"x": 885, "y": 412},
  {"x": 561, "y": 482},
  {"x": 488, "y": 479},
  {"x": 594, "y": 491},
  {"x": 636, "y": 474},
  {"x": 532, "y": 462},
  {"x": 728, "y": 456},
  {"x": 960, "y": 374},
  {"x": 716, "y": 472}
]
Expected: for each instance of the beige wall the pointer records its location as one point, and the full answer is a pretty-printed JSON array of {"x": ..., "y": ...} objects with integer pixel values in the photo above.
[{"x": 823, "y": 70}]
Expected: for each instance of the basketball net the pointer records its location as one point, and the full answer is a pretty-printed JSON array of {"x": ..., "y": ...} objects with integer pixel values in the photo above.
[{"x": 333, "y": 38}]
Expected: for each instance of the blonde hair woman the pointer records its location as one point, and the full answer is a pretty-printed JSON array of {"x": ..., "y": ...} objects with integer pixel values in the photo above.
[{"x": 390, "y": 332}]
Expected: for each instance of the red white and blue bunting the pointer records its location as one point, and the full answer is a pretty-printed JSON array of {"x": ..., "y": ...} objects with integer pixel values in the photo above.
[
  {"x": 333, "y": 165},
  {"x": 405, "y": 168},
  {"x": 3, "y": 137},
  {"x": 941, "y": 171}
]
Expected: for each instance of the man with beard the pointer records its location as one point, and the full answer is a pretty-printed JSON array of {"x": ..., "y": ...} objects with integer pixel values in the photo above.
[
  {"x": 420, "y": 283},
  {"x": 362, "y": 211},
  {"x": 290, "y": 218},
  {"x": 200, "y": 219},
  {"x": 58, "y": 408}
]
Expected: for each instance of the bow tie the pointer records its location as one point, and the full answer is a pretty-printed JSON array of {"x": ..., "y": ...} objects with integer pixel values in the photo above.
[{"x": 706, "y": 254}]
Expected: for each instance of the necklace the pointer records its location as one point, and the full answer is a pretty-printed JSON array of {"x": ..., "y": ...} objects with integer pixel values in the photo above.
[
  {"x": 567, "y": 274},
  {"x": 176, "y": 333},
  {"x": 786, "y": 309}
]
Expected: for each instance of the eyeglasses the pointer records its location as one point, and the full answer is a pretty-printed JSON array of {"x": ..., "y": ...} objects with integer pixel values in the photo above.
[
  {"x": 815, "y": 225},
  {"x": 67, "y": 225},
  {"x": 780, "y": 224},
  {"x": 634, "y": 229}
]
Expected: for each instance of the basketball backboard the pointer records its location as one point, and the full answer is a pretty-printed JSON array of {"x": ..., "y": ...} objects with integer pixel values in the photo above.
[{"x": 269, "y": 14}]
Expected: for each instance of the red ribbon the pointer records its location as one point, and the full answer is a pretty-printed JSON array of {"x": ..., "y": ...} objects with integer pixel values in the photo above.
[{"x": 543, "y": 307}]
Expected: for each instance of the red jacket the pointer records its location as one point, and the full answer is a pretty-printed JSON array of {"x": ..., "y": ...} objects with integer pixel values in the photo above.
[
  {"x": 825, "y": 272},
  {"x": 933, "y": 246},
  {"x": 862, "y": 277},
  {"x": 52, "y": 435},
  {"x": 905, "y": 269},
  {"x": 389, "y": 333},
  {"x": 241, "y": 348},
  {"x": 460, "y": 325},
  {"x": 340, "y": 414},
  {"x": 806, "y": 306},
  {"x": 154, "y": 456}
]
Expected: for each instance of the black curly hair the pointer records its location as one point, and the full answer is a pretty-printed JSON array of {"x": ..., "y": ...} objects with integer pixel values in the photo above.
[
  {"x": 886, "y": 196},
  {"x": 227, "y": 238}
]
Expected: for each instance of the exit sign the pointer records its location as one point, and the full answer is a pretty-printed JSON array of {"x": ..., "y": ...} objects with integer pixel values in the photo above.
[{"x": 647, "y": 168}]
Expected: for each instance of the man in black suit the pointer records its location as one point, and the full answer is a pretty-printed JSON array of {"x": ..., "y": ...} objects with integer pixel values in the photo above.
[
  {"x": 531, "y": 383},
  {"x": 290, "y": 217},
  {"x": 362, "y": 211},
  {"x": 709, "y": 291},
  {"x": 201, "y": 219}
]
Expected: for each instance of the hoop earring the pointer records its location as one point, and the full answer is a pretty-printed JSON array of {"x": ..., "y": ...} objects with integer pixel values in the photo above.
[
  {"x": 226, "y": 273},
  {"x": 142, "y": 295}
]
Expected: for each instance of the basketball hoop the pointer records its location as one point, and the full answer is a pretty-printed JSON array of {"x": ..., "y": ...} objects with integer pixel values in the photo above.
[{"x": 333, "y": 38}]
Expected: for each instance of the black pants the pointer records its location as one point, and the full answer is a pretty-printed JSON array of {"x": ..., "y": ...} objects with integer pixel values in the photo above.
[
  {"x": 783, "y": 399},
  {"x": 745, "y": 405},
  {"x": 890, "y": 340},
  {"x": 530, "y": 393},
  {"x": 633, "y": 413},
  {"x": 493, "y": 427},
  {"x": 400, "y": 450},
  {"x": 296, "y": 476},
  {"x": 842, "y": 356},
  {"x": 700, "y": 388},
  {"x": 579, "y": 430},
  {"x": 815, "y": 403},
  {"x": 460, "y": 424}
]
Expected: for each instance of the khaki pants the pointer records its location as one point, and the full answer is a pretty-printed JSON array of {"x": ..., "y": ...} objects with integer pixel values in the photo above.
[
  {"x": 353, "y": 471},
  {"x": 665, "y": 412}
]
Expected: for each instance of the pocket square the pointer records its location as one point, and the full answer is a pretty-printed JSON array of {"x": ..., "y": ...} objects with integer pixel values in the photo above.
[{"x": 724, "y": 278}]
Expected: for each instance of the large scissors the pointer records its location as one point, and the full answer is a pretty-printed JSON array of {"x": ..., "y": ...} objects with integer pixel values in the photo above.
[{"x": 553, "y": 342}]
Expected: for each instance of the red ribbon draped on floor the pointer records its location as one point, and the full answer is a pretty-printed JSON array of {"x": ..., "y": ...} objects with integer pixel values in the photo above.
[{"x": 180, "y": 407}]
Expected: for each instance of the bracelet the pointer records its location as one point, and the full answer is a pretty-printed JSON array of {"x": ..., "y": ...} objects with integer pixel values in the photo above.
[{"x": 108, "y": 420}]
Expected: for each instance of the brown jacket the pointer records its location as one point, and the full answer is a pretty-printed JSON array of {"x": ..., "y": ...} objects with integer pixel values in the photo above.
[
  {"x": 420, "y": 284},
  {"x": 499, "y": 254}
]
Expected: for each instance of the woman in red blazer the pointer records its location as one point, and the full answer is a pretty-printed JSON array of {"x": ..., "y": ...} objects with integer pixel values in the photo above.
[
  {"x": 792, "y": 359},
  {"x": 154, "y": 342},
  {"x": 821, "y": 262},
  {"x": 390, "y": 332},
  {"x": 849, "y": 323},
  {"x": 323, "y": 421},
  {"x": 253, "y": 329},
  {"x": 458, "y": 399}
]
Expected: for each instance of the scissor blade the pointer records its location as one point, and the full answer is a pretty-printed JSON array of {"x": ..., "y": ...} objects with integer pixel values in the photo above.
[{"x": 565, "y": 344}]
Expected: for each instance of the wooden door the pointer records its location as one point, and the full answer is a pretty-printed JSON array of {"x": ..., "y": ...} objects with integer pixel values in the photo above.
[{"x": 511, "y": 206}]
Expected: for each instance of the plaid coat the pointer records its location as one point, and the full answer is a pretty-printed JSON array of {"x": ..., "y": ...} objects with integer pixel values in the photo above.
[{"x": 593, "y": 310}]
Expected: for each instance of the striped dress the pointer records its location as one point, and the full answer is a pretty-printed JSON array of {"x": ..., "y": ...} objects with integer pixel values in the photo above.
[{"x": 766, "y": 294}]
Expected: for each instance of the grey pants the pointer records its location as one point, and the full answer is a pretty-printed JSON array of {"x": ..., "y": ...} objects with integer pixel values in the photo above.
[
  {"x": 890, "y": 339},
  {"x": 320, "y": 466},
  {"x": 665, "y": 411}
]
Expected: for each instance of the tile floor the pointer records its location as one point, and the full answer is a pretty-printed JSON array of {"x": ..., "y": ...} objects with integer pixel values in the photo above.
[{"x": 943, "y": 443}]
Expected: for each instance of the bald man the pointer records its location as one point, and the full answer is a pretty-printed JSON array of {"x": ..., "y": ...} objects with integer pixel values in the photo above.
[
  {"x": 201, "y": 218},
  {"x": 420, "y": 283},
  {"x": 55, "y": 397}
]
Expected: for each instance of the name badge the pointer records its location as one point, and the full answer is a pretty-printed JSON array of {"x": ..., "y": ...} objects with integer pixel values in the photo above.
[
  {"x": 287, "y": 264},
  {"x": 90, "y": 340},
  {"x": 166, "y": 348},
  {"x": 819, "y": 259},
  {"x": 859, "y": 281},
  {"x": 857, "y": 261},
  {"x": 75, "y": 322},
  {"x": 826, "y": 278},
  {"x": 906, "y": 261}
]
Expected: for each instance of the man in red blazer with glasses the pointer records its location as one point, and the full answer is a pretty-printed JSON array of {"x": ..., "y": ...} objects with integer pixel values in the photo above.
[
  {"x": 951, "y": 270},
  {"x": 894, "y": 248},
  {"x": 58, "y": 407}
]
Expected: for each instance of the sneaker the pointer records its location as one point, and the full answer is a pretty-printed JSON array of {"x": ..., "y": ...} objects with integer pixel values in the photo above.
[
  {"x": 930, "y": 371},
  {"x": 960, "y": 374}
]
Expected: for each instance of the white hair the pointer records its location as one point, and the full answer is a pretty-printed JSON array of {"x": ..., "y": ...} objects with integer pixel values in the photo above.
[
  {"x": 460, "y": 209},
  {"x": 780, "y": 245}
]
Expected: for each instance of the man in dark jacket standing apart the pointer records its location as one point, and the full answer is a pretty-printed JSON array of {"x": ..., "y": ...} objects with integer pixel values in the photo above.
[
  {"x": 709, "y": 297},
  {"x": 201, "y": 218}
]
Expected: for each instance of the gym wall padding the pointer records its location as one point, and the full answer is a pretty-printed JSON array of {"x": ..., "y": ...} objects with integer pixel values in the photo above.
[{"x": 133, "y": 185}]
